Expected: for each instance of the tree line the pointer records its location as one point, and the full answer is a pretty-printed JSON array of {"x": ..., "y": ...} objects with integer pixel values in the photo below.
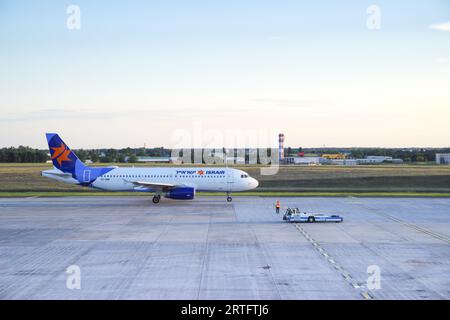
[{"x": 23, "y": 154}]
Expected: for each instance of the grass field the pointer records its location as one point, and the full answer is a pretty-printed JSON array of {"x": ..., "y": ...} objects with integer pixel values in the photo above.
[{"x": 380, "y": 180}]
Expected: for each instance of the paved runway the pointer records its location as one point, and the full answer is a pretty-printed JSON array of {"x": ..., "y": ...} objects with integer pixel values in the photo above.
[{"x": 128, "y": 248}]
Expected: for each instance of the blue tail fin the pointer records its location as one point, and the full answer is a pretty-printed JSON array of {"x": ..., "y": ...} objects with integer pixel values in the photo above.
[
  {"x": 62, "y": 157},
  {"x": 65, "y": 160}
]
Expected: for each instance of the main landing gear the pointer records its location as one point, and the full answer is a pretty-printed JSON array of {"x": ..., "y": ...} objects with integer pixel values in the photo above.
[
  {"x": 229, "y": 198},
  {"x": 156, "y": 198}
]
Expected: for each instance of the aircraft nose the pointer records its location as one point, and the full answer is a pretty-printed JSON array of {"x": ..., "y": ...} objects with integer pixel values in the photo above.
[{"x": 255, "y": 183}]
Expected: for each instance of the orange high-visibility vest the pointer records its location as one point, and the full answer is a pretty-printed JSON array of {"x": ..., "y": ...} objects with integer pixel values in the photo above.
[{"x": 278, "y": 204}]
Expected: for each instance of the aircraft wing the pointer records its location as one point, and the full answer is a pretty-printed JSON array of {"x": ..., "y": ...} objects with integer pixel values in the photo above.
[{"x": 154, "y": 185}]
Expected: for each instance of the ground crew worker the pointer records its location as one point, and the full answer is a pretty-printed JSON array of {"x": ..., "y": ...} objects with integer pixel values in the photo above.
[{"x": 277, "y": 206}]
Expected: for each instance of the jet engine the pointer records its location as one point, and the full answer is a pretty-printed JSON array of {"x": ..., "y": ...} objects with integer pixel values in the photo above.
[{"x": 181, "y": 193}]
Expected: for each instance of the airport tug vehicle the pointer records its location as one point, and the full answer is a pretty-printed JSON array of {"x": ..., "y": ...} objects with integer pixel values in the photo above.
[{"x": 294, "y": 215}]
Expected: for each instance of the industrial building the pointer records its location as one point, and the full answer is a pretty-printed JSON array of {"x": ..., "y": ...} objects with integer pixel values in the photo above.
[
  {"x": 156, "y": 159},
  {"x": 236, "y": 160},
  {"x": 304, "y": 160},
  {"x": 334, "y": 156},
  {"x": 340, "y": 159},
  {"x": 378, "y": 159},
  {"x": 316, "y": 160},
  {"x": 345, "y": 162},
  {"x": 442, "y": 158}
]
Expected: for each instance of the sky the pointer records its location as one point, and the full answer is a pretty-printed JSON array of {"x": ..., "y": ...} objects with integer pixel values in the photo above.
[{"x": 203, "y": 73}]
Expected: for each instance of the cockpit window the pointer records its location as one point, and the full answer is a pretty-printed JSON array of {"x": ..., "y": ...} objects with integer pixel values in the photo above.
[{"x": 244, "y": 176}]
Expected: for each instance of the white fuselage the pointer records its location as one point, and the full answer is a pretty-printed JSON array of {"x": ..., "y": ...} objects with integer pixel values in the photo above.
[{"x": 199, "y": 178}]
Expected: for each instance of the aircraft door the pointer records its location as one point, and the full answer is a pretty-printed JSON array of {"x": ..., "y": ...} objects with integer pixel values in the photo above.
[{"x": 230, "y": 180}]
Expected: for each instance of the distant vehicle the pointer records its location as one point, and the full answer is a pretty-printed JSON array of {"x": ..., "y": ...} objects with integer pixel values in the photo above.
[
  {"x": 294, "y": 215},
  {"x": 173, "y": 182}
]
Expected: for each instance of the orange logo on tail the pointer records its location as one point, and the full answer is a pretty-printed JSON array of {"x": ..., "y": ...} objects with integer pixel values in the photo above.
[{"x": 61, "y": 153}]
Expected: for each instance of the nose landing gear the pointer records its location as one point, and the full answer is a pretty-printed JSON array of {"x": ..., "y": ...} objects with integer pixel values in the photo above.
[{"x": 229, "y": 198}]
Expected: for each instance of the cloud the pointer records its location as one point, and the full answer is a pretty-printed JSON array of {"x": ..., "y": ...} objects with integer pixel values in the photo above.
[
  {"x": 160, "y": 113},
  {"x": 441, "y": 26},
  {"x": 441, "y": 60},
  {"x": 294, "y": 104},
  {"x": 57, "y": 114},
  {"x": 53, "y": 114},
  {"x": 445, "y": 70}
]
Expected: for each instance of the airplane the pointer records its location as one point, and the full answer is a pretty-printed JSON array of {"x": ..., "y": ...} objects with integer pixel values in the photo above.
[{"x": 172, "y": 182}]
